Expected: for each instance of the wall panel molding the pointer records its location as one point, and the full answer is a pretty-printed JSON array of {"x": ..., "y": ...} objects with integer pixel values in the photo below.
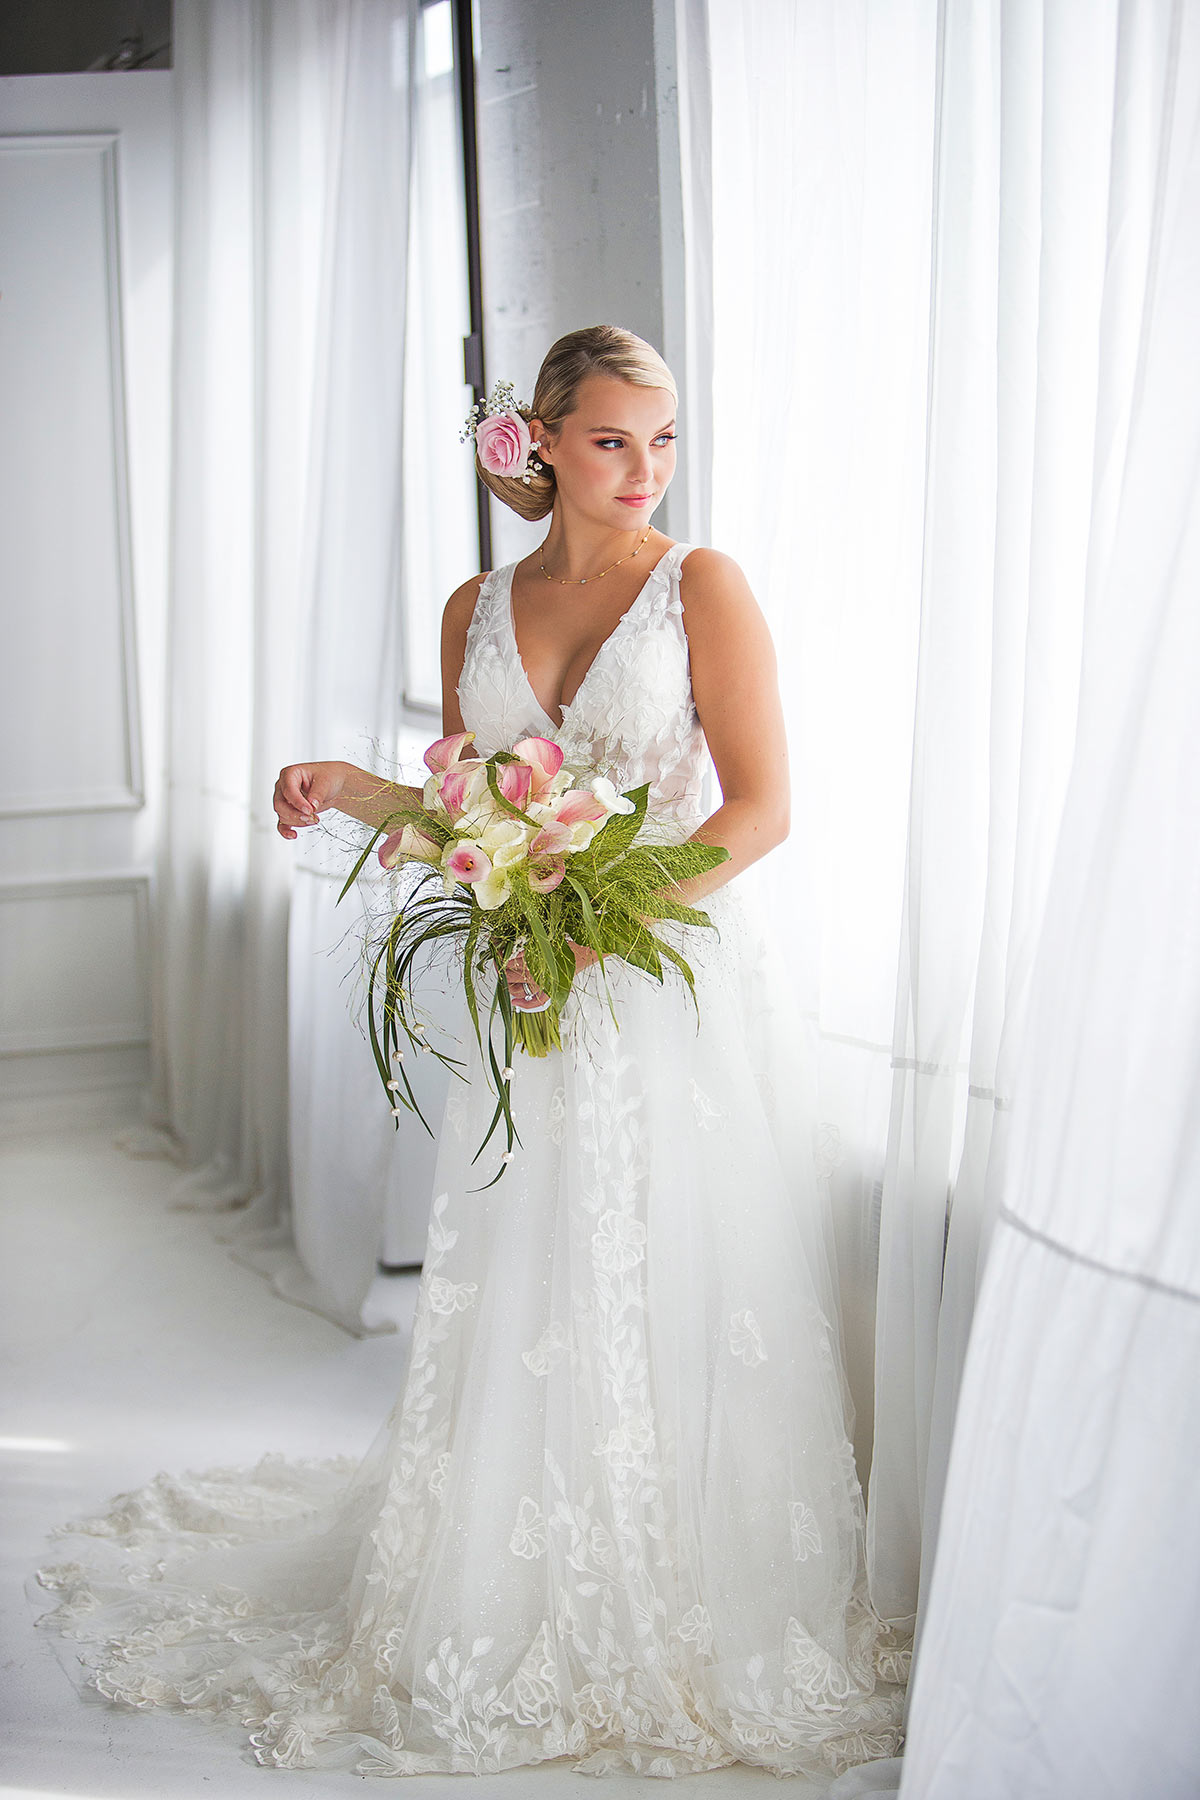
[
  {"x": 73, "y": 956},
  {"x": 65, "y": 553}
]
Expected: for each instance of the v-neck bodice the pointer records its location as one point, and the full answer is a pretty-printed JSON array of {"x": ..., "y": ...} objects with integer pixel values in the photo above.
[
  {"x": 567, "y": 706},
  {"x": 632, "y": 716}
]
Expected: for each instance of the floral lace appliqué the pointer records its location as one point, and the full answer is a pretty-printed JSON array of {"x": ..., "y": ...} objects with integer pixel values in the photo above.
[
  {"x": 806, "y": 1534},
  {"x": 450, "y": 1296},
  {"x": 709, "y": 1113},
  {"x": 828, "y": 1153},
  {"x": 550, "y": 1349},
  {"x": 695, "y": 1627},
  {"x": 745, "y": 1338},
  {"x": 529, "y": 1532}
]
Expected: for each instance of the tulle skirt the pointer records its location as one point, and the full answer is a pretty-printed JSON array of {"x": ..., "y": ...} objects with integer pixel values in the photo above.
[{"x": 614, "y": 1514}]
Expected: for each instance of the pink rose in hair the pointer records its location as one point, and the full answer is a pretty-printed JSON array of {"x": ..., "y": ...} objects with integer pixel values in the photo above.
[{"x": 503, "y": 443}]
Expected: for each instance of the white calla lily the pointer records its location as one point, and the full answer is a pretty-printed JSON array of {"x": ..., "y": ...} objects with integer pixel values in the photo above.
[
  {"x": 503, "y": 830},
  {"x": 607, "y": 794},
  {"x": 493, "y": 890},
  {"x": 481, "y": 815}
]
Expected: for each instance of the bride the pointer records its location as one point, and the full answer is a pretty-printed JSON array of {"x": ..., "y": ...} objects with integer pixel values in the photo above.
[{"x": 614, "y": 1514}]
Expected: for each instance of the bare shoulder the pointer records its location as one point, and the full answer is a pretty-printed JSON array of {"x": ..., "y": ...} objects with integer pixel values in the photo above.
[
  {"x": 456, "y": 614},
  {"x": 709, "y": 564},
  {"x": 456, "y": 620},
  {"x": 717, "y": 598},
  {"x": 727, "y": 632},
  {"x": 710, "y": 580}
]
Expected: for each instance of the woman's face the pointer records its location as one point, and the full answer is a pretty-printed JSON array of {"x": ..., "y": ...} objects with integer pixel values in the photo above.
[{"x": 614, "y": 456}]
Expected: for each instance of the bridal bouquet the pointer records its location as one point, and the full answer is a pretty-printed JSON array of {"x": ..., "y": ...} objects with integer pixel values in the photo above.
[{"x": 521, "y": 855}]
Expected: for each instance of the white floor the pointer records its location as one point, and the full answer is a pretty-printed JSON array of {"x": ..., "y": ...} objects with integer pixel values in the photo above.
[{"x": 133, "y": 1342}]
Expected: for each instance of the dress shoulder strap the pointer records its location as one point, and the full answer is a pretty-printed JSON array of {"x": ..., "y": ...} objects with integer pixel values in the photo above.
[
  {"x": 676, "y": 555},
  {"x": 483, "y": 612},
  {"x": 674, "y": 561}
]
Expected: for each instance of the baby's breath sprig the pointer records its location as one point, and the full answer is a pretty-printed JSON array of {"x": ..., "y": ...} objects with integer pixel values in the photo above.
[
  {"x": 502, "y": 399},
  {"x": 504, "y": 448}
]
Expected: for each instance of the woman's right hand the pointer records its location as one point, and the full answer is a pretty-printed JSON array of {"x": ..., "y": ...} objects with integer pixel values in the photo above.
[
  {"x": 516, "y": 972},
  {"x": 304, "y": 791},
  {"x": 523, "y": 991}
]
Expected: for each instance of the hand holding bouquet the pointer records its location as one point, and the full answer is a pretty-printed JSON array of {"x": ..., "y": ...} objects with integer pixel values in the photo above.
[{"x": 523, "y": 857}]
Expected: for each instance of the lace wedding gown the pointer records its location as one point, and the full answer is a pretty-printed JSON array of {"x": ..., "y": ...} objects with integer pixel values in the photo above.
[{"x": 614, "y": 1513}]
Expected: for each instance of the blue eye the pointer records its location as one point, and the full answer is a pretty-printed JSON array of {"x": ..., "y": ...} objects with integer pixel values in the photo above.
[{"x": 667, "y": 437}]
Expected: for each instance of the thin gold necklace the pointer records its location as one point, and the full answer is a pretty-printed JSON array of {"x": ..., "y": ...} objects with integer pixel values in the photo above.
[{"x": 565, "y": 580}]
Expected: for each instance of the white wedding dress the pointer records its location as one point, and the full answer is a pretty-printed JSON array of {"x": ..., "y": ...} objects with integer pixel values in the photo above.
[{"x": 614, "y": 1514}]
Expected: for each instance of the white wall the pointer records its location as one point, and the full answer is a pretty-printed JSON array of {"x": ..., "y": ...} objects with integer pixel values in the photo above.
[
  {"x": 85, "y": 275},
  {"x": 574, "y": 127},
  {"x": 574, "y": 228},
  {"x": 580, "y": 214}
]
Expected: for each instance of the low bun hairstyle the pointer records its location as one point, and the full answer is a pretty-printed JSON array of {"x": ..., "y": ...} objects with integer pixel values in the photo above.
[{"x": 593, "y": 350}]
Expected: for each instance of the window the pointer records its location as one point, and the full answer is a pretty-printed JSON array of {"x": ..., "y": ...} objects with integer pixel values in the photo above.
[{"x": 441, "y": 536}]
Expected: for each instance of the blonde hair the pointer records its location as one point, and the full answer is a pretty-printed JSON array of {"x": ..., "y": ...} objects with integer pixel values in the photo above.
[{"x": 592, "y": 350}]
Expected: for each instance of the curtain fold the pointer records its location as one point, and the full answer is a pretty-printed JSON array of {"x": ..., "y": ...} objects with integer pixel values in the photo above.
[
  {"x": 1059, "y": 1646},
  {"x": 932, "y": 232},
  {"x": 294, "y": 151}
]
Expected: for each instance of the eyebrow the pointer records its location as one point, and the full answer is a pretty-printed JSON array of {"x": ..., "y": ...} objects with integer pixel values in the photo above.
[{"x": 624, "y": 430}]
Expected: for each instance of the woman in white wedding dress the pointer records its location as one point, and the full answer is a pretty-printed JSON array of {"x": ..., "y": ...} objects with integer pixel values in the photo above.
[{"x": 614, "y": 1513}]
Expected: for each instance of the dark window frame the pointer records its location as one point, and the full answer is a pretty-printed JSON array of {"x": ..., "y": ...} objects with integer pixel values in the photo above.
[
  {"x": 414, "y": 713},
  {"x": 462, "y": 25}
]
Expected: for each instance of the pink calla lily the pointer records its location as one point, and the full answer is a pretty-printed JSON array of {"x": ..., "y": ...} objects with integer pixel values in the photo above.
[
  {"x": 546, "y": 872},
  {"x": 452, "y": 791},
  {"x": 544, "y": 756},
  {"x": 515, "y": 782},
  {"x": 554, "y": 836},
  {"x": 447, "y": 751},
  {"x": 409, "y": 841},
  {"x": 467, "y": 862},
  {"x": 578, "y": 804},
  {"x": 461, "y": 786}
]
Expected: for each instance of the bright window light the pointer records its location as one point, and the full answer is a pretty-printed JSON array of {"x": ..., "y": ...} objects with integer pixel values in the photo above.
[
  {"x": 441, "y": 536},
  {"x": 439, "y": 51}
]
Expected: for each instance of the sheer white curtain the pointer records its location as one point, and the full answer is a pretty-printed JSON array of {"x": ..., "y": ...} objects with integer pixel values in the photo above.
[
  {"x": 1060, "y": 1651},
  {"x": 934, "y": 248},
  {"x": 294, "y": 152}
]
